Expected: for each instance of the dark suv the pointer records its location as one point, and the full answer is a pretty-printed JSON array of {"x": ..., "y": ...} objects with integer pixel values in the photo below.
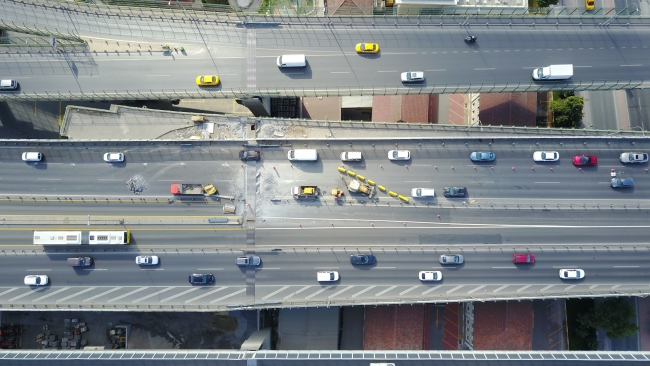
[
  {"x": 363, "y": 259},
  {"x": 201, "y": 278}
]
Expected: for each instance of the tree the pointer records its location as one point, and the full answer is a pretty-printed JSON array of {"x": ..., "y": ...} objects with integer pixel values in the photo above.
[
  {"x": 567, "y": 113},
  {"x": 613, "y": 315}
]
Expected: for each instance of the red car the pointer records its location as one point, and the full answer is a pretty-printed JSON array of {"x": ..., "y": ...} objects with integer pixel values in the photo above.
[
  {"x": 523, "y": 258},
  {"x": 585, "y": 160}
]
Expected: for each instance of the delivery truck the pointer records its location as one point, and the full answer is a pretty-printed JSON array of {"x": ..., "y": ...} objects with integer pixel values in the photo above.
[
  {"x": 553, "y": 72},
  {"x": 192, "y": 189}
]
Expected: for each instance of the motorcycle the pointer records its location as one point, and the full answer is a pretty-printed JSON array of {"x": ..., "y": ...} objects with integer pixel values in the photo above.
[{"x": 470, "y": 39}]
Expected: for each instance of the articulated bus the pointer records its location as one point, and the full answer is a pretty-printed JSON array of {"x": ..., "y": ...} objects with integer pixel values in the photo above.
[{"x": 81, "y": 237}]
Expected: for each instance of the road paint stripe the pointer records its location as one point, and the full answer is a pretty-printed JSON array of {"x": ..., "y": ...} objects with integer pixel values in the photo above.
[
  {"x": 297, "y": 292},
  {"x": 476, "y": 289},
  {"x": 102, "y": 294},
  {"x": 275, "y": 292},
  {"x": 75, "y": 294},
  {"x": 227, "y": 296},
  {"x": 500, "y": 288},
  {"x": 127, "y": 294},
  {"x": 523, "y": 288},
  {"x": 152, "y": 295},
  {"x": 179, "y": 294},
  {"x": 362, "y": 291},
  {"x": 205, "y": 294},
  {"x": 455, "y": 288},
  {"x": 385, "y": 291},
  {"x": 319, "y": 292},
  {"x": 408, "y": 290},
  {"x": 51, "y": 294}
]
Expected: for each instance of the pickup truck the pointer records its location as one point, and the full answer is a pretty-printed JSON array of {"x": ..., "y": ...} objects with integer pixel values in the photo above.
[
  {"x": 192, "y": 189},
  {"x": 305, "y": 191}
]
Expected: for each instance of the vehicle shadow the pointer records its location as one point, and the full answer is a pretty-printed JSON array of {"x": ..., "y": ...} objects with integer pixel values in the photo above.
[{"x": 298, "y": 72}]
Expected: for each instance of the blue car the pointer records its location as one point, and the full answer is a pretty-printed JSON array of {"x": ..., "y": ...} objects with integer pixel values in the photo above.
[
  {"x": 363, "y": 259},
  {"x": 482, "y": 156}
]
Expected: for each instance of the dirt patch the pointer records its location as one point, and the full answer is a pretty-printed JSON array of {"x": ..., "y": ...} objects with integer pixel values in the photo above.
[{"x": 217, "y": 330}]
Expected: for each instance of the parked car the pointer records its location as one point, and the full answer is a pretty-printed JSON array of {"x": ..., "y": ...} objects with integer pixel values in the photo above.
[
  {"x": 32, "y": 156},
  {"x": 363, "y": 259},
  {"x": 36, "y": 280},
  {"x": 422, "y": 192},
  {"x": 572, "y": 274},
  {"x": 523, "y": 258},
  {"x": 455, "y": 192},
  {"x": 201, "y": 278},
  {"x": 451, "y": 259},
  {"x": 622, "y": 182},
  {"x": 79, "y": 261},
  {"x": 147, "y": 260},
  {"x": 351, "y": 156},
  {"x": 399, "y": 155},
  {"x": 250, "y": 260},
  {"x": 430, "y": 275},
  {"x": 412, "y": 76},
  {"x": 207, "y": 80},
  {"x": 250, "y": 154},
  {"x": 327, "y": 276},
  {"x": 585, "y": 160},
  {"x": 634, "y": 157},
  {"x": 113, "y": 157},
  {"x": 482, "y": 156},
  {"x": 546, "y": 156},
  {"x": 367, "y": 48}
]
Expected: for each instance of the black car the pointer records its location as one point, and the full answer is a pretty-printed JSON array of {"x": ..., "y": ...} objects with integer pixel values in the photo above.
[
  {"x": 201, "y": 278},
  {"x": 363, "y": 259},
  {"x": 249, "y": 154},
  {"x": 455, "y": 191}
]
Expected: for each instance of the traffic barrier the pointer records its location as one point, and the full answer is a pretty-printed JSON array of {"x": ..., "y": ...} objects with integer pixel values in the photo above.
[
  {"x": 382, "y": 188},
  {"x": 351, "y": 173},
  {"x": 341, "y": 170},
  {"x": 361, "y": 177},
  {"x": 405, "y": 199},
  {"x": 371, "y": 182},
  {"x": 392, "y": 194}
]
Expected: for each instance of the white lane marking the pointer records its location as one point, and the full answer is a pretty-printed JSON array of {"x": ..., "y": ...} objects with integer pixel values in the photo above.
[
  {"x": 152, "y": 295},
  {"x": 500, "y": 288},
  {"x": 275, "y": 292},
  {"x": 362, "y": 291},
  {"x": 179, "y": 294},
  {"x": 326, "y": 267},
  {"x": 385, "y": 291},
  {"x": 455, "y": 288},
  {"x": 209, "y": 269},
  {"x": 158, "y": 75},
  {"x": 8, "y": 291},
  {"x": 319, "y": 292},
  {"x": 408, "y": 290},
  {"x": 511, "y": 267},
  {"x": 265, "y": 268},
  {"x": 39, "y": 270},
  {"x": 593, "y": 287},
  {"x": 486, "y": 68},
  {"x": 437, "y": 70},
  {"x": 147, "y": 269},
  {"x": 340, "y": 292},
  {"x": 296, "y": 292},
  {"x": 546, "y": 288},
  {"x": 636, "y": 65},
  {"x": 127, "y": 294},
  {"x": 205, "y": 294},
  {"x": 108, "y": 179},
  {"x": 227, "y": 296},
  {"x": 51, "y": 294},
  {"x": 417, "y": 181},
  {"x": 77, "y": 293},
  {"x": 431, "y": 289},
  {"x": 102, "y": 294},
  {"x": 626, "y": 266},
  {"x": 523, "y": 288},
  {"x": 476, "y": 289},
  {"x": 385, "y": 267},
  {"x": 49, "y": 178},
  {"x": 95, "y": 269},
  {"x": 547, "y": 182},
  {"x": 388, "y": 71},
  {"x": 340, "y": 72},
  {"x": 570, "y": 287},
  {"x": 21, "y": 296}
]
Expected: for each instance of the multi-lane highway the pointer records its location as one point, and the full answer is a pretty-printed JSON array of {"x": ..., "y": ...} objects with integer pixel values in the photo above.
[
  {"x": 245, "y": 58},
  {"x": 568, "y": 218}
]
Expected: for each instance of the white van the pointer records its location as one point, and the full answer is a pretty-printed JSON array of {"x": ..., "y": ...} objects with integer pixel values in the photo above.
[
  {"x": 351, "y": 156},
  {"x": 327, "y": 276},
  {"x": 32, "y": 156},
  {"x": 292, "y": 61},
  {"x": 8, "y": 84},
  {"x": 303, "y": 155}
]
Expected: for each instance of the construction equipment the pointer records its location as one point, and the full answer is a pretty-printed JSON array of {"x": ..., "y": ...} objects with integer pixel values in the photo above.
[
  {"x": 337, "y": 193},
  {"x": 193, "y": 189},
  {"x": 305, "y": 191},
  {"x": 356, "y": 186}
]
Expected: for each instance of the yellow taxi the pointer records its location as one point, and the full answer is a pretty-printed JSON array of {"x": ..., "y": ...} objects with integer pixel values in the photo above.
[
  {"x": 589, "y": 4},
  {"x": 367, "y": 48},
  {"x": 207, "y": 80}
]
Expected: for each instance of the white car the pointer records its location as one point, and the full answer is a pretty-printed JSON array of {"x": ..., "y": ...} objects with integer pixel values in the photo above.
[
  {"x": 430, "y": 276},
  {"x": 399, "y": 155},
  {"x": 36, "y": 280},
  {"x": 147, "y": 260},
  {"x": 412, "y": 76},
  {"x": 634, "y": 157},
  {"x": 572, "y": 274},
  {"x": 351, "y": 156},
  {"x": 32, "y": 156},
  {"x": 113, "y": 157},
  {"x": 422, "y": 192},
  {"x": 546, "y": 156},
  {"x": 327, "y": 276}
]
